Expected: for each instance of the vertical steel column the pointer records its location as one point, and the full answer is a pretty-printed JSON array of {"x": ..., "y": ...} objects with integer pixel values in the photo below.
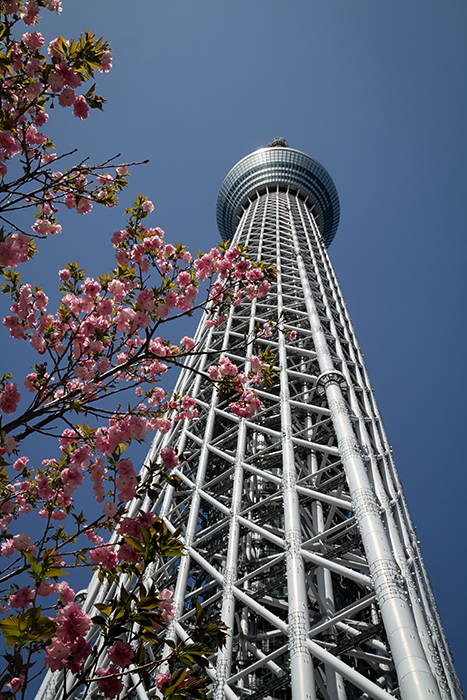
[
  {"x": 224, "y": 656},
  {"x": 301, "y": 665}
]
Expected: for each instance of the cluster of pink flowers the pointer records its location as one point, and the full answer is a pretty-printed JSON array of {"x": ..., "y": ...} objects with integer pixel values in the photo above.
[
  {"x": 101, "y": 340},
  {"x": 17, "y": 543},
  {"x": 25, "y": 596},
  {"x": 38, "y": 75},
  {"x": 9, "y": 398},
  {"x": 69, "y": 648},
  {"x": 166, "y": 604},
  {"x": 103, "y": 332},
  {"x": 103, "y": 556},
  {"x": 109, "y": 683},
  {"x": 15, "y": 248},
  {"x": 22, "y": 598},
  {"x": 247, "y": 405},
  {"x": 169, "y": 457}
]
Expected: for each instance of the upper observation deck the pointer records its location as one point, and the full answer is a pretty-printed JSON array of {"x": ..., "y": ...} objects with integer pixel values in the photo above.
[{"x": 278, "y": 165}]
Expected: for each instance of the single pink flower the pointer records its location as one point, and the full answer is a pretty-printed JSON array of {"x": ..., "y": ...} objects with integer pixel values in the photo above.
[
  {"x": 20, "y": 463},
  {"x": 10, "y": 398},
  {"x": 56, "y": 655},
  {"x": 72, "y": 622},
  {"x": 81, "y": 108},
  {"x": 169, "y": 457},
  {"x": 67, "y": 98},
  {"x": 22, "y": 598},
  {"x": 106, "y": 62},
  {"x": 120, "y": 653},
  {"x": 161, "y": 678},
  {"x": 15, "y": 684},
  {"x": 110, "y": 687}
]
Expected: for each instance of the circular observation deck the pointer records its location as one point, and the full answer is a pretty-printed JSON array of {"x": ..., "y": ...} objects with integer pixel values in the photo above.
[{"x": 283, "y": 166}]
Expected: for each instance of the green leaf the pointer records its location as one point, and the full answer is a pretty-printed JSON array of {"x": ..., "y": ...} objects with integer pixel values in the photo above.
[
  {"x": 55, "y": 572},
  {"x": 103, "y": 608},
  {"x": 134, "y": 542},
  {"x": 200, "y": 614},
  {"x": 148, "y": 603}
]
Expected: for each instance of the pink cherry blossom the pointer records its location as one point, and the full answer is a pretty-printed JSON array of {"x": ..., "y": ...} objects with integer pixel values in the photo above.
[
  {"x": 247, "y": 405},
  {"x": 32, "y": 10},
  {"x": 106, "y": 63},
  {"x": 32, "y": 68},
  {"x": 69, "y": 75},
  {"x": 120, "y": 653},
  {"x": 81, "y": 649},
  {"x": 41, "y": 117},
  {"x": 53, "y": 5},
  {"x": 33, "y": 40},
  {"x": 145, "y": 300},
  {"x": 213, "y": 372},
  {"x": 184, "y": 278},
  {"x": 67, "y": 97},
  {"x": 15, "y": 684},
  {"x": 169, "y": 457},
  {"x": 84, "y": 204},
  {"x": 56, "y": 81},
  {"x": 227, "y": 368},
  {"x": 7, "y": 548},
  {"x": 81, "y": 108},
  {"x": 23, "y": 543},
  {"x": 72, "y": 621},
  {"x": 46, "y": 588},
  {"x": 43, "y": 227},
  {"x": 163, "y": 425},
  {"x": 188, "y": 343},
  {"x": 22, "y": 598},
  {"x": 64, "y": 275},
  {"x": 66, "y": 594},
  {"x": 161, "y": 678},
  {"x": 10, "y": 444},
  {"x": 110, "y": 509},
  {"x": 56, "y": 655},
  {"x": 110, "y": 687},
  {"x": 20, "y": 463},
  {"x": 104, "y": 556},
  {"x": 9, "y": 398},
  {"x": 11, "y": 6},
  {"x": 255, "y": 362}
]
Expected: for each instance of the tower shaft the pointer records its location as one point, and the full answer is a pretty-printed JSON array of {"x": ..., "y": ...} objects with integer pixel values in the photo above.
[{"x": 295, "y": 524}]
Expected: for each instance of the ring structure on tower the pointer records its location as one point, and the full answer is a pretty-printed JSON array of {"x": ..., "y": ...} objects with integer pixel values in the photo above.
[{"x": 280, "y": 166}]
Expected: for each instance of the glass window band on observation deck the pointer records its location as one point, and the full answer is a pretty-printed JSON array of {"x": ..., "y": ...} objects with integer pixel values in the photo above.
[{"x": 283, "y": 166}]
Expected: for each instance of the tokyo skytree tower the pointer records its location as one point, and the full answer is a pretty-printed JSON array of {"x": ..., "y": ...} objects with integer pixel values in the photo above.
[{"x": 296, "y": 528}]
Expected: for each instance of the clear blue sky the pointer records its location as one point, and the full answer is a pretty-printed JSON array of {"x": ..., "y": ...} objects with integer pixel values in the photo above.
[{"x": 376, "y": 91}]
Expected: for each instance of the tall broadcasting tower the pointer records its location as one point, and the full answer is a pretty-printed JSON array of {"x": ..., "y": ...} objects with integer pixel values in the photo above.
[{"x": 295, "y": 524}]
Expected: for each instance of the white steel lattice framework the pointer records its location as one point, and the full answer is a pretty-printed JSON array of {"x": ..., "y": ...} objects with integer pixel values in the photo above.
[{"x": 295, "y": 524}]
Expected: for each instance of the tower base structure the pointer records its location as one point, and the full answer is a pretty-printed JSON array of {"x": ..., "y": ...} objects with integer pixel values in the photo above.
[{"x": 296, "y": 528}]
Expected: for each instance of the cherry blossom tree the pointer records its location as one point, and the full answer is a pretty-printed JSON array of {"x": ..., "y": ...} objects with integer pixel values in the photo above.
[{"x": 94, "y": 390}]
